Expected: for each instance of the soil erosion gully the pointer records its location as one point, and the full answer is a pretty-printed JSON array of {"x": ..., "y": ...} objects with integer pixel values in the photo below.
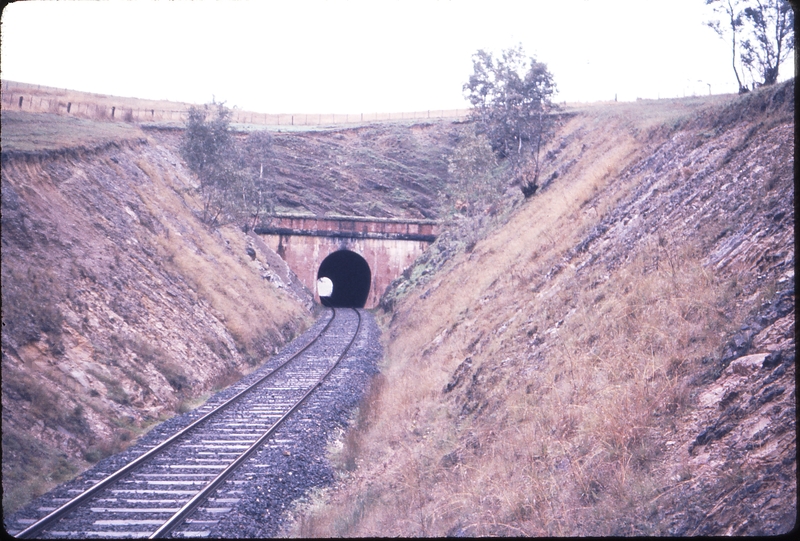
[{"x": 179, "y": 486}]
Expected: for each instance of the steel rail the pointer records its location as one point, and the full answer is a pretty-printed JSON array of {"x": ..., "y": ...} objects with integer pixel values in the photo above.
[
  {"x": 53, "y": 516},
  {"x": 176, "y": 520}
]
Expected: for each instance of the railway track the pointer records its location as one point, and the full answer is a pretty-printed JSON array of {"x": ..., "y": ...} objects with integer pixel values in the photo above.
[{"x": 183, "y": 486}]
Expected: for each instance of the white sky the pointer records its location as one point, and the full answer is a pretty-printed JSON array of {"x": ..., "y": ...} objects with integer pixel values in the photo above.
[{"x": 360, "y": 56}]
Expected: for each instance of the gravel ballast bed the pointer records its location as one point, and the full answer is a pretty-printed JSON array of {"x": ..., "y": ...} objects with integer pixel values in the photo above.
[{"x": 275, "y": 475}]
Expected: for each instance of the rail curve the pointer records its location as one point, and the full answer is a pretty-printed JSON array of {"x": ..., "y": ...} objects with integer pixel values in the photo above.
[{"x": 155, "y": 494}]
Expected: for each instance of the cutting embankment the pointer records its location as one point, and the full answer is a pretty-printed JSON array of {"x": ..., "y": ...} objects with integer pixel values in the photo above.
[
  {"x": 617, "y": 359},
  {"x": 120, "y": 307}
]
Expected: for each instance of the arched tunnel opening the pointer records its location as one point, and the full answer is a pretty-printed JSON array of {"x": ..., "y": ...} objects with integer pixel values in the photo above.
[{"x": 351, "y": 278}]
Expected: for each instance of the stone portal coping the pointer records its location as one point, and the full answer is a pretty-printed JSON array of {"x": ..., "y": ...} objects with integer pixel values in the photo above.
[
  {"x": 376, "y": 219},
  {"x": 360, "y": 227}
]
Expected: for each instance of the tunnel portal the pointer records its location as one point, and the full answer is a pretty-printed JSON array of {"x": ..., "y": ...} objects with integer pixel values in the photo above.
[{"x": 351, "y": 279}]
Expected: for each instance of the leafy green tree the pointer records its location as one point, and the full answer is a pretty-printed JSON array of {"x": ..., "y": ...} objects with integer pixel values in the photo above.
[
  {"x": 234, "y": 176},
  {"x": 210, "y": 152},
  {"x": 732, "y": 11},
  {"x": 761, "y": 34},
  {"x": 771, "y": 25},
  {"x": 511, "y": 101},
  {"x": 471, "y": 200}
]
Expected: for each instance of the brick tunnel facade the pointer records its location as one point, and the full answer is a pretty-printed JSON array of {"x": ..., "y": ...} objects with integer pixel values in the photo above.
[{"x": 388, "y": 246}]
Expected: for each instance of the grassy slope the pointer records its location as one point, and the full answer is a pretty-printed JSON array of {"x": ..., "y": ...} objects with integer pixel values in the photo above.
[
  {"x": 119, "y": 307},
  {"x": 41, "y": 132},
  {"x": 536, "y": 385},
  {"x": 388, "y": 170},
  {"x": 383, "y": 170},
  {"x": 77, "y": 193}
]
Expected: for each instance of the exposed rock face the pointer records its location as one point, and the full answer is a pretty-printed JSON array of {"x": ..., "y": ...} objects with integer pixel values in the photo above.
[
  {"x": 738, "y": 449},
  {"x": 736, "y": 452},
  {"x": 119, "y": 306},
  {"x": 616, "y": 359}
]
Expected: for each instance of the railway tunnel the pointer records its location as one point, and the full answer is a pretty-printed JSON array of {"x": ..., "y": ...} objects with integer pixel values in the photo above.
[
  {"x": 350, "y": 275},
  {"x": 375, "y": 251}
]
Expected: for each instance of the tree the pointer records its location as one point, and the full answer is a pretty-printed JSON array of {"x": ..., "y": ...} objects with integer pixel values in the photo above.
[
  {"x": 772, "y": 27},
  {"x": 733, "y": 14},
  {"x": 511, "y": 99},
  {"x": 209, "y": 150},
  {"x": 234, "y": 177},
  {"x": 765, "y": 30}
]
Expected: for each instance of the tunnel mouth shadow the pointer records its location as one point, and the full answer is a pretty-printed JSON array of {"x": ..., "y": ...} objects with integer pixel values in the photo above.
[{"x": 351, "y": 277}]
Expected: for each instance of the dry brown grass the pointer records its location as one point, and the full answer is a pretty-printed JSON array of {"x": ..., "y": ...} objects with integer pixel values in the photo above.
[
  {"x": 572, "y": 446},
  {"x": 574, "y": 381},
  {"x": 244, "y": 301}
]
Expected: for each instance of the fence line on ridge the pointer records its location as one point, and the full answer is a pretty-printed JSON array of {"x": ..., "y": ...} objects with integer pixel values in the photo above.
[{"x": 55, "y": 100}]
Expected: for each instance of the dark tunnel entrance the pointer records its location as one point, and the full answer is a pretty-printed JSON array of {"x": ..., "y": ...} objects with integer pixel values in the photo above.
[{"x": 351, "y": 279}]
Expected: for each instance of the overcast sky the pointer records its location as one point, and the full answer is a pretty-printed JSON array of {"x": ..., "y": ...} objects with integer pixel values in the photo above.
[{"x": 352, "y": 56}]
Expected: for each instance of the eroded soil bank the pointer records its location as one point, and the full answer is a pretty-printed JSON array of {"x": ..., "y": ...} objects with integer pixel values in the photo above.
[{"x": 121, "y": 308}]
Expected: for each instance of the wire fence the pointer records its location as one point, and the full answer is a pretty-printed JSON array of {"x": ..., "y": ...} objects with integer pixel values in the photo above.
[
  {"x": 43, "y": 99},
  {"x": 39, "y": 98}
]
